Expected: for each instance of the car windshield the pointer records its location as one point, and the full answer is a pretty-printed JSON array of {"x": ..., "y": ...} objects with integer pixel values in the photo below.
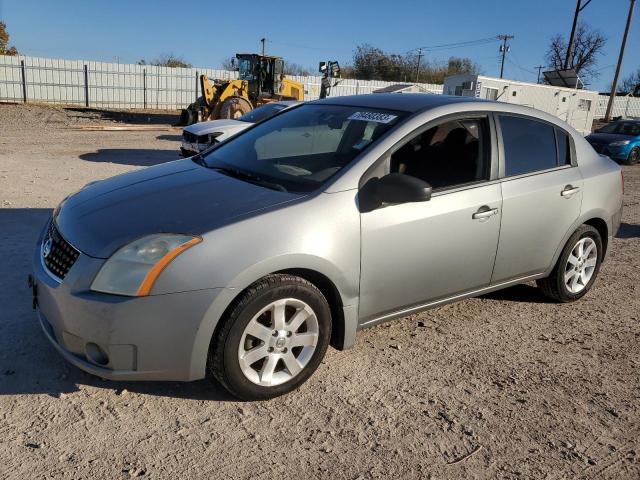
[
  {"x": 301, "y": 149},
  {"x": 258, "y": 114},
  {"x": 622, "y": 128}
]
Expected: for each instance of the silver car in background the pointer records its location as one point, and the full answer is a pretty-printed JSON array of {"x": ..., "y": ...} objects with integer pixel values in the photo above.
[
  {"x": 247, "y": 262},
  {"x": 198, "y": 137}
]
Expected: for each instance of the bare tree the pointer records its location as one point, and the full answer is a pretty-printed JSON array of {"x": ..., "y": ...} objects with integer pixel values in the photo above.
[
  {"x": 629, "y": 84},
  {"x": 5, "y": 49},
  {"x": 167, "y": 60},
  {"x": 229, "y": 63},
  {"x": 588, "y": 47},
  {"x": 291, "y": 68}
]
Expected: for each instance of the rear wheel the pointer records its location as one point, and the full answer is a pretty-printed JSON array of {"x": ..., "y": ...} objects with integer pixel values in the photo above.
[
  {"x": 577, "y": 267},
  {"x": 634, "y": 156},
  {"x": 235, "y": 107},
  {"x": 273, "y": 339}
]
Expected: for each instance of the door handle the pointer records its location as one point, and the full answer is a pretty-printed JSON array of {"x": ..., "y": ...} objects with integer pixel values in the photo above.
[
  {"x": 569, "y": 190},
  {"x": 484, "y": 212}
]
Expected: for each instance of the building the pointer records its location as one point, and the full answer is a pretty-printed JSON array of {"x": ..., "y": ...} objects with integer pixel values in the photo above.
[{"x": 576, "y": 107}]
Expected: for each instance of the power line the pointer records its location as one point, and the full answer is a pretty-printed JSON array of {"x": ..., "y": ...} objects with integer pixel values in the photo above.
[{"x": 446, "y": 46}]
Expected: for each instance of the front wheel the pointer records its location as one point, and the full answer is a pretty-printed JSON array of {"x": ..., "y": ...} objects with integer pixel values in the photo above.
[
  {"x": 577, "y": 267},
  {"x": 273, "y": 339},
  {"x": 634, "y": 156}
]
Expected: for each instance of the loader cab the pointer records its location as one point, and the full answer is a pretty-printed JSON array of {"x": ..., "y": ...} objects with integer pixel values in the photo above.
[{"x": 262, "y": 72}]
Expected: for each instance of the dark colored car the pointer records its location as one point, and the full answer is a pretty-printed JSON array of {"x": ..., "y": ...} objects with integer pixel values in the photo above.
[{"x": 619, "y": 140}]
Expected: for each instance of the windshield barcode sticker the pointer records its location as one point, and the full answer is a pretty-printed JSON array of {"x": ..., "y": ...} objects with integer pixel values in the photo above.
[{"x": 373, "y": 117}]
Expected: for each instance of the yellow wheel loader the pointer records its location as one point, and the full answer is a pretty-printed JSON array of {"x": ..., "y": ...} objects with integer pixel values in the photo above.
[{"x": 261, "y": 80}]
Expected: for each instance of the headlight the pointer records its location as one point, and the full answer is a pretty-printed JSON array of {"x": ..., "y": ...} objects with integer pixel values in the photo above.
[
  {"x": 134, "y": 268},
  {"x": 620, "y": 143}
]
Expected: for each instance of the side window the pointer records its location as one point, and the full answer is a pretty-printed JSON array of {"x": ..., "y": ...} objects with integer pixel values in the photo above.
[
  {"x": 564, "y": 148},
  {"x": 450, "y": 154},
  {"x": 529, "y": 145}
]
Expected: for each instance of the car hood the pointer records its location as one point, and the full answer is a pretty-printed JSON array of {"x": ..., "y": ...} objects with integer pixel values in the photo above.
[
  {"x": 607, "y": 138},
  {"x": 175, "y": 197},
  {"x": 216, "y": 126}
]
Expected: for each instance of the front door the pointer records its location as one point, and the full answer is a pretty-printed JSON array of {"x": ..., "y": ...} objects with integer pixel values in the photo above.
[{"x": 415, "y": 253}]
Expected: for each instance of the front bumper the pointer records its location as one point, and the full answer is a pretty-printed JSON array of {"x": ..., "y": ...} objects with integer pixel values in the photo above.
[{"x": 139, "y": 338}]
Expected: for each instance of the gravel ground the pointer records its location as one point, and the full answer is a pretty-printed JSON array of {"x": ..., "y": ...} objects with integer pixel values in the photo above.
[{"x": 503, "y": 386}]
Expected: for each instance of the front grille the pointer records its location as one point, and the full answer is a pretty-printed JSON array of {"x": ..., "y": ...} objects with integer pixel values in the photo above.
[{"x": 57, "y": 254}]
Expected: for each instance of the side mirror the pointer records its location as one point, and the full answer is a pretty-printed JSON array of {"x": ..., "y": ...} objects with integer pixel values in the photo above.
[{"x": 400, "y": 188}]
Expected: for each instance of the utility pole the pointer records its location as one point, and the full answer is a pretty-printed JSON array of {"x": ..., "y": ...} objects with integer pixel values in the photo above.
[
  {"x": 568, "y": 59},
  {"x": 504, "y": 48},
  {"x": 539, "y": 67},
  {"x": 614, "y": 86},
  {"x": 418, "y": 65},
  {"x": 263, "y": 40}
]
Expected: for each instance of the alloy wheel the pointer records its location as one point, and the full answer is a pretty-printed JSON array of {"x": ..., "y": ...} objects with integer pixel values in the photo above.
[
  {"x": 581, "y": 265},
  {"x": 278, "y": 342}
]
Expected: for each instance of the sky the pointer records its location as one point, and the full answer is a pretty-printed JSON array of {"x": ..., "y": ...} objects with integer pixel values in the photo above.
[{"x": 204, "y": 33}]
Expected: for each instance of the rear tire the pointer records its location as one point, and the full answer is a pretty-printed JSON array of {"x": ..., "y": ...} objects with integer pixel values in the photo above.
[
  {"x": 576, "y": 269},
  {"x": 634, "y": 156},
  {"x": 272, "y": 340}
]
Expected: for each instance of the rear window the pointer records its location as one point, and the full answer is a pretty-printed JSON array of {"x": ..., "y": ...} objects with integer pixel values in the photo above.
[{"x": 529, "y": 145}]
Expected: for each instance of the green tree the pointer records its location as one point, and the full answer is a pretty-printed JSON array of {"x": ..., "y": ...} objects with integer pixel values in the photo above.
[
  {"x": 5, "y": 49},
  {"x": 371, "y": 63}
]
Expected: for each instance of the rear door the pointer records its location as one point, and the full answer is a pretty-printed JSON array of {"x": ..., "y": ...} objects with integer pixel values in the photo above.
[{"x": 541, "y": 195}]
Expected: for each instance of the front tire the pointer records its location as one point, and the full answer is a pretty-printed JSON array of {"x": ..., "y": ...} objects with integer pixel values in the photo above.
[
  {"x": 577, "y": 268},
  {"x": 634, "y": 156},
  {"x": 235, "y": 107},
  {"x": 272, "y": 340}
]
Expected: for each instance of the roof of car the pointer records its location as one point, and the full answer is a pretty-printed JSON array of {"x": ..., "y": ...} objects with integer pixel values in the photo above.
[{"x": 414, "y": 102}]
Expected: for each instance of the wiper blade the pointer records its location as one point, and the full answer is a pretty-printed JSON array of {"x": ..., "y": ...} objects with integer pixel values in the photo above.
[{"x": 249, "y": 177}]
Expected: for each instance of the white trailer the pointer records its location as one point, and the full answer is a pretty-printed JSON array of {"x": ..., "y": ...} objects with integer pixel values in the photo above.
[{"x": 576, "y": 107}]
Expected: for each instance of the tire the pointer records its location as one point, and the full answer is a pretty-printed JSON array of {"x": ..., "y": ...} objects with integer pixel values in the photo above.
[
  {"x": 556, "y": 285},
  {"x": 234, "y": 107},
  {"x": 254, "y": 312},
  {"x": 187, "y": 116},
  {"x": 634, "y": 156}
]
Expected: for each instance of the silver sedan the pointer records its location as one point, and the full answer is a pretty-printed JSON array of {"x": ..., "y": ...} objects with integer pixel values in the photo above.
[{"x": 247, "y": 262}]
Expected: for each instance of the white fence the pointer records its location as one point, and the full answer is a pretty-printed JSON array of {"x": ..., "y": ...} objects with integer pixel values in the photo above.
[
  {"x": 115, "y": 85},
  {"x": 622, "y": 107}
]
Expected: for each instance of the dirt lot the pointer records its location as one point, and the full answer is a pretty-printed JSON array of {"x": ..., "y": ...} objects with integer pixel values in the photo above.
[{"x": 503, "y": 386}]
